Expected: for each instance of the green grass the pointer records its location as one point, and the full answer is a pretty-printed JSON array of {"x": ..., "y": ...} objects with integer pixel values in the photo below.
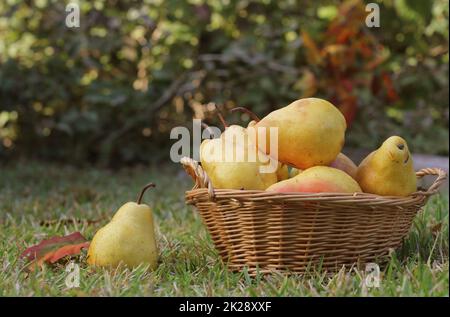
[{"x": 31, "y": 193}]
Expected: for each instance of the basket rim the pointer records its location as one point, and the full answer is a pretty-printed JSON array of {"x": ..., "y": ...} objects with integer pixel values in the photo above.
[
  {"x": 203, "y": 183},
  {"x": 336, "y": 198}
]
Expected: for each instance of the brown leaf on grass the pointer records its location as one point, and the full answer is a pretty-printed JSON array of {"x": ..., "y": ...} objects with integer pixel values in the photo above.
[{"x": 54, "y": 249}]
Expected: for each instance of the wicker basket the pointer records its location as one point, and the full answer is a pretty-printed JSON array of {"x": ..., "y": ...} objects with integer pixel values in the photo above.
[{"x": 265, "y": 232}]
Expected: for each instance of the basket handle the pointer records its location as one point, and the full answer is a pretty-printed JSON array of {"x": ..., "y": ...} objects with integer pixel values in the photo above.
[
  {"x": 433, "y": 189},
  {"x": 198, "y": 175}
]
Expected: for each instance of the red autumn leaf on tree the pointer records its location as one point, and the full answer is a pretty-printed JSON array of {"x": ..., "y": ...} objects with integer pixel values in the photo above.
[
  {"x": 54, "y": 249},
  {"x": 313, "y": 53},
  {"x": 389, "y": 86}
]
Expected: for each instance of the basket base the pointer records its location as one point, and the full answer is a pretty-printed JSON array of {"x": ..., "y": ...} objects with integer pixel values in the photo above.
[{"x": 310, "y": 269}]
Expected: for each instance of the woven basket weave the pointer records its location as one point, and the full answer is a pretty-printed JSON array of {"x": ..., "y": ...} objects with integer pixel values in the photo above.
[{"x": 264, "y": 232}]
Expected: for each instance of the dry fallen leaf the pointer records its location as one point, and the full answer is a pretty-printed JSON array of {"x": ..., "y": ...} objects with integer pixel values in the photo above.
[{"x": 53, "y": 249}]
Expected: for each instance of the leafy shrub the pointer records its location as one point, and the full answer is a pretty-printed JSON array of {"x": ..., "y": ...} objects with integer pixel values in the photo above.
[{"x": 110, "y": 91}]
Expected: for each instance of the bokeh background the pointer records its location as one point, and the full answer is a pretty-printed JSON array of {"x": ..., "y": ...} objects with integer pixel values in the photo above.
[{"x": 109, "y": 92}]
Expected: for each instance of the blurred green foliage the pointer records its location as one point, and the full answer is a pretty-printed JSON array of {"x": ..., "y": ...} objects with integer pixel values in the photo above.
[{"x": 110, "y": 91}]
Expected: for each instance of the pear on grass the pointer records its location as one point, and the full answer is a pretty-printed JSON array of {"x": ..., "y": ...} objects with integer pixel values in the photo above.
[
  {"x": 389, "y": 170},
  {"x": 128, "y": 239}
]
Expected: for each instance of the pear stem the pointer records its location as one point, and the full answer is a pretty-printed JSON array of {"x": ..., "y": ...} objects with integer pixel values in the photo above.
[
  {"x": 250, "y": 113},
  {"x": 143, "y": 191},
  {"x": 222, "y": 120}
]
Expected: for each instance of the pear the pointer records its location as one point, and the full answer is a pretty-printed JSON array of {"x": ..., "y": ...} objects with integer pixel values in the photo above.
[
  {"x": 318, "y": 179},
  {"x": 128, "y": 239},
  {"x": 282, "y": 172},
  {"x": 294, "y": 172},
  {"x": 344, "y": 163},
  {"x": 228, "y": 163},
  {"x": 233, "y": 161},
  {"x": 310, "y": 132},
  {"x": 389, "y": 170},
  {"x": 283, "y": 169}
]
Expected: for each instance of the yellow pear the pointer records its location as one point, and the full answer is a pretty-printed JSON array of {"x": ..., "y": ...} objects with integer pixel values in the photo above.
[
  {"x": 282, "y": 172},
  {"x": 128, "y": 239},
  {"x": 344, "y": 163},
  {"x": 318, "y": 179},
  {"x": 252, "y": 123},
  {"x": 294, "y": 172},
  {"x": 389, "y": 170},
  {"x": 233, "y": 162},
  {"x": 310, "y": 132}
]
